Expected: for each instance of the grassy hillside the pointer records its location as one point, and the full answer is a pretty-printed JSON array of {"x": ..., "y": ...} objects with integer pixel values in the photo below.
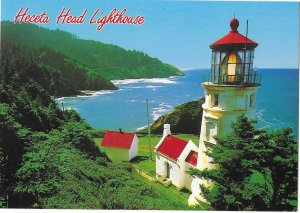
[
  {"x": 109, "y": 61},
  {"x": 185, "y": 118}
]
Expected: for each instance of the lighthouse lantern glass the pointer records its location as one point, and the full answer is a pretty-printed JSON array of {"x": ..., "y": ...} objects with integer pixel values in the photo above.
[{"x": 232, "y": 66}]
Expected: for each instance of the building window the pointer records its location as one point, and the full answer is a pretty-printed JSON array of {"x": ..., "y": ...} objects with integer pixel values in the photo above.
[
  {"x": 231, "y": 67},
  {"x": 210, "y": 163},
  {"x": 252, "y": 100},
  {"x": 210, "y": 131},
  {"x": 214, "y": 100}
]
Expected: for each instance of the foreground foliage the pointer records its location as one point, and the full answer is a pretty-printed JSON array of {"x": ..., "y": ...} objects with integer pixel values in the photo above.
[
  {"x": 257, "y": 170},
  {"x": 48, "y": 158}
]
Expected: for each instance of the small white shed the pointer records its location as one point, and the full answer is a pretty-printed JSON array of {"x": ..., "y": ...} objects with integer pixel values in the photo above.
[{"x": 120, "y": 146}]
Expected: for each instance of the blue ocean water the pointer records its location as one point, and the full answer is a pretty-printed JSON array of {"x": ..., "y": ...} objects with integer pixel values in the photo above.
[{"x": 276, "y": 101}]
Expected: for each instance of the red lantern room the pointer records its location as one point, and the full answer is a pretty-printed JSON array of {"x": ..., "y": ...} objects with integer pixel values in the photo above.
[{"x": 232, "y": 59}]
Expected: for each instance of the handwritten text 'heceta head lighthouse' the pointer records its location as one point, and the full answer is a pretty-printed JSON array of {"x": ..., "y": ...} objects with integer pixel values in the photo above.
[{"x": 66, "y": 17}]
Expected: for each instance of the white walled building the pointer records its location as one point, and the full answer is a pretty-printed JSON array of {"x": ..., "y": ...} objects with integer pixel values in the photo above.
[
  {"x": 120, "y": 146},
  {"x": 174, "y": 157}
]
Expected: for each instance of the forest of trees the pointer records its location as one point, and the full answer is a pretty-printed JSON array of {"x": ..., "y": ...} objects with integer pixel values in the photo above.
[
  {"x": 106, "y": 60},
  {"x": 59, "y": 75},
  {"x": 48, "y": 158}
]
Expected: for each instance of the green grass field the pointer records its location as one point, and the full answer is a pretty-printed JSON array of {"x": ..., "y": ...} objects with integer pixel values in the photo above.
[{"x": 144, "y": 163}]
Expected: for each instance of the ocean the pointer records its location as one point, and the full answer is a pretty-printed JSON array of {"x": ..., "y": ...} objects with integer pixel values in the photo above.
[{"x": 276, "y": 100}]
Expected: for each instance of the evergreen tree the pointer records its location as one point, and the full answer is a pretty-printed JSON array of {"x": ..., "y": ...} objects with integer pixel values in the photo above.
[{"x": 256, "y": 170}]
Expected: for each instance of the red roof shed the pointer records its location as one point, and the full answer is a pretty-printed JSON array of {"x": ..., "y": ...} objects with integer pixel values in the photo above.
[{"x": 121, "y": 140}]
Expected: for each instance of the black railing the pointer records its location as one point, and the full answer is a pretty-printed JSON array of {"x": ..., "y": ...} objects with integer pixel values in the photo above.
[{"x": 253, "y": 79}]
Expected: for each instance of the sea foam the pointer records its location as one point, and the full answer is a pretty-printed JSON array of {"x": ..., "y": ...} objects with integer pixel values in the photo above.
[
  {"x": 140, "y": 128},
  {"x": 144, "y": 80},
  {"x": 88, "y": 94},
  {"x": 162, "y": 109}
]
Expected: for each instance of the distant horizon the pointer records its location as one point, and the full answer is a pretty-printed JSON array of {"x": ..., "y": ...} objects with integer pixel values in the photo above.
[
  {"x": 292, "y": 68},
  {"x": 180, "y": 32}
]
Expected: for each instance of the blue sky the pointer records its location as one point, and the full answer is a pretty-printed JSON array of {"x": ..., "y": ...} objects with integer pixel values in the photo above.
[{"x": 180, "y": 32}]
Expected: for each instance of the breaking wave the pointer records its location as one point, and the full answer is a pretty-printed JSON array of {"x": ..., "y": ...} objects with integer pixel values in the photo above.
[
  {"x": 160, "y": 110},
  {"x": 88, "y": 94},
  {"x": 144, "y": 80},
  {"x": 140, "y": 128}
]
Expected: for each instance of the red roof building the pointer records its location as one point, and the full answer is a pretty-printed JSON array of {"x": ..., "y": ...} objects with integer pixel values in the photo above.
[
  {"x": 172, "y": 147},
  {"x": 117, "y": 139},
  {"x": 120, "y": 146},
  {"x": 174, "y": 157},
  {"x": 192, "y": 158}
]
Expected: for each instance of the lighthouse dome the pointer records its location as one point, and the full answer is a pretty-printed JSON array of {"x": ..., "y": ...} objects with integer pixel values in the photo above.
[
  {"x": 233, "y": 40},
  {"x": 232, "y": 59},
  {"x": 234, "y": 24}
]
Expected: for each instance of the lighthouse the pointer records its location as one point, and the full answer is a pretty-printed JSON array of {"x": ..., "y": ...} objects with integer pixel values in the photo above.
[{"x": 230, "y": 91}]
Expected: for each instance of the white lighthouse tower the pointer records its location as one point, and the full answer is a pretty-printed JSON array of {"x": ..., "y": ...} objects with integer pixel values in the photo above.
[{"x": 230, "y": 91}]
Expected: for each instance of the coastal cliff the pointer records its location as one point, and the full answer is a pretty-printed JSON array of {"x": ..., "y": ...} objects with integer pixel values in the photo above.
[{"x": 185, "y": 118}]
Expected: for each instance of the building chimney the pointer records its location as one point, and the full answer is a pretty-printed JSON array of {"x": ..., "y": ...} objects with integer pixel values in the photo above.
[
  {"x": 167, "y": 130},
  {"x": 120, "y": 130}
]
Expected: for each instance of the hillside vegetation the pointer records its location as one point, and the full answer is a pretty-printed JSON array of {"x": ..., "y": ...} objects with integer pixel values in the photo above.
[
  {"x": 48, "y": 158},
  {"x": 58, "y": 74},
  {"x": 185, "y": 118},
  {"x": 109, "y": 61}
]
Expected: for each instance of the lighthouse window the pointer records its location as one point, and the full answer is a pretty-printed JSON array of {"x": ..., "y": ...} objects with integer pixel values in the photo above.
[
  {"x": 210, "y": 131},
  {"x": 215, "y": 100},
  {"x": 210, "y": 163},
  {"x": 252, "y": 100},
  {"x": 231, "y": 67}
]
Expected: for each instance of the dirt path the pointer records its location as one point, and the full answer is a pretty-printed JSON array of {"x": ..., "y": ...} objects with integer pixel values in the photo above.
[{"x": 144, "y": 174}]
